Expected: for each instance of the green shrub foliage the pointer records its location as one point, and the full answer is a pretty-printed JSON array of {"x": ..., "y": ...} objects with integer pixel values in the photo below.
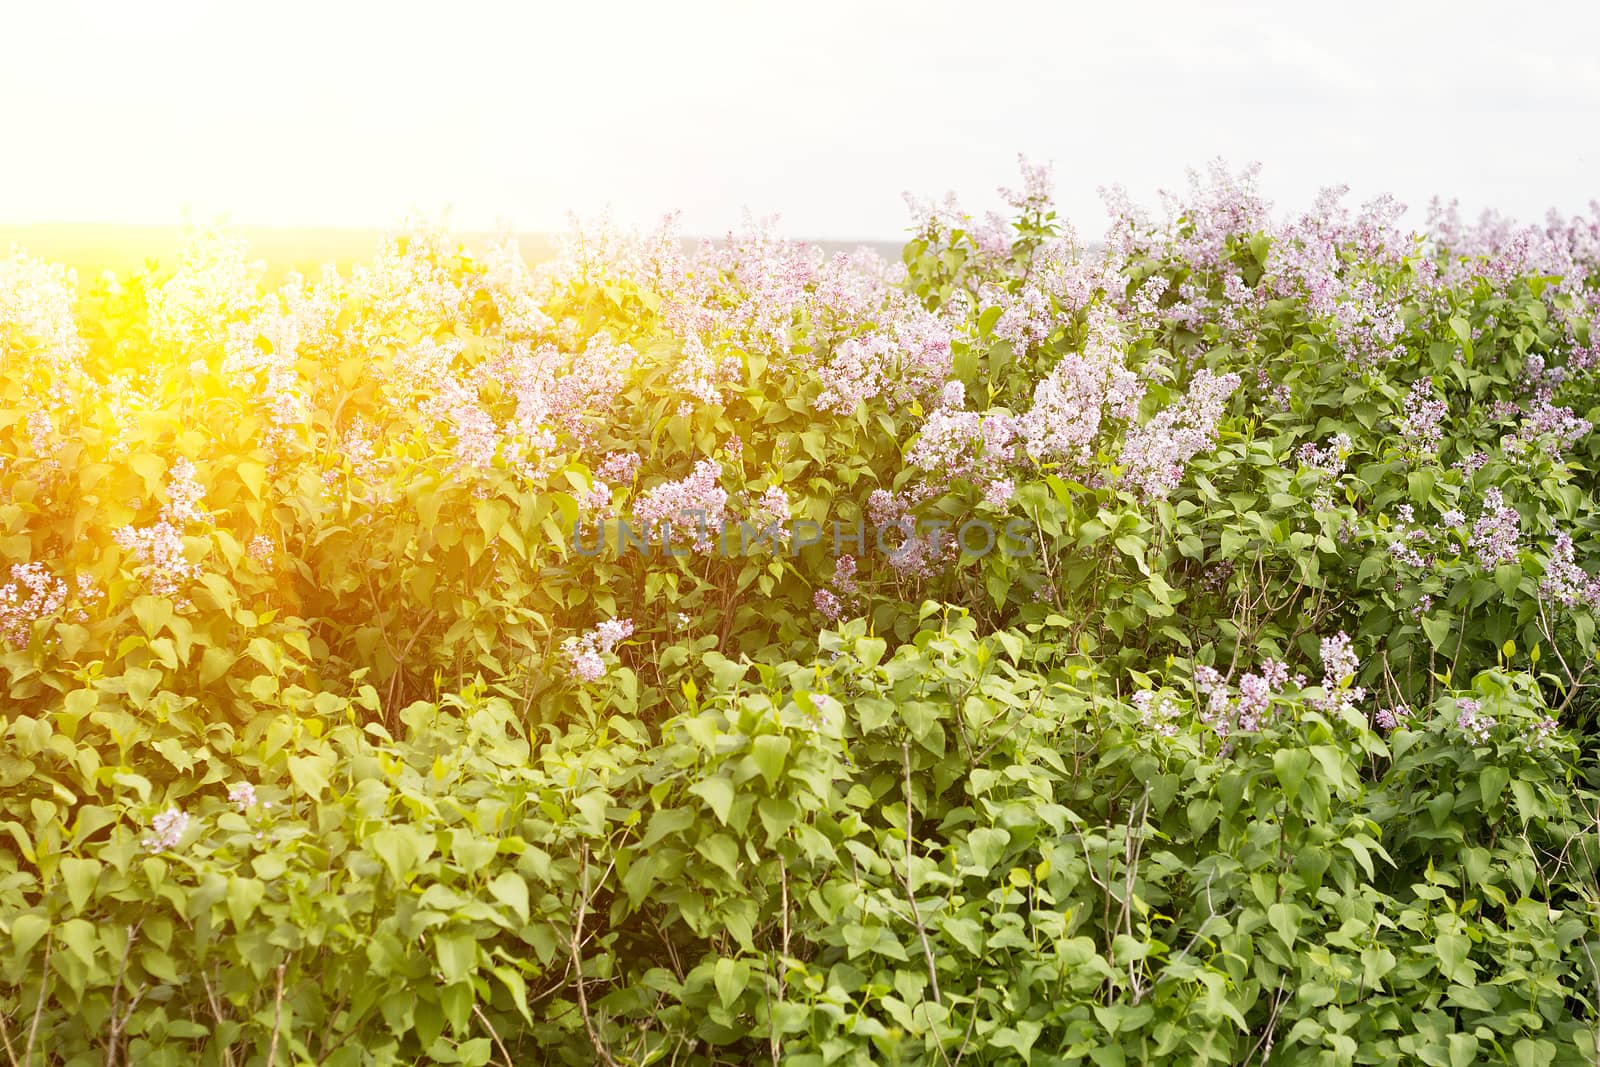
[{"x": 1179, "y": 650}]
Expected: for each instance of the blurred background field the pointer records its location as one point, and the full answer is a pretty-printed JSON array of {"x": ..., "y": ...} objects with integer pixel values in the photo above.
[{"x": 91, "y": 247}]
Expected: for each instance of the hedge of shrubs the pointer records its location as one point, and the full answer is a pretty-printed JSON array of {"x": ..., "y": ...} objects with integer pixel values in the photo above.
[{"x": 1177, "y": 649}]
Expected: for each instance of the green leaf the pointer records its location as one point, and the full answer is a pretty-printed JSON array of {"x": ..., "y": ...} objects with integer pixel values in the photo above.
[
  {"x": 80, "y": 938},
  {"x": 1492, "y": 780},
  {"x": 509, "y": 889},
  {"x": 458, "y": 955},
  {"x": 244, "y": 896},
  {"x": 988, "y": 844},
  {"x": 721, "y": 850},
  {"x": 1291, "y": 766},
  {"x": 254, "y": 476},
  {"x": 1532, "y": 1052},
  {"x": 26, "y": 930},
  {"x": 81, "y": 876},
  {"x": 401, "y": 849},
  {"x": 730, "y": 977},
  {"x": 769, "y": 752},
  {"x": 716, "y": 792},
  {"x": 310, "y": 773},
  {"x": 1452, "y": 950},
  {"x": 1437, "y": 627}
]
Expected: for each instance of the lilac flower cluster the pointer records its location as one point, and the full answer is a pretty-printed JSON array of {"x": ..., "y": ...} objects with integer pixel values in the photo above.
[
  {"x": 1566, "y": 582},
  {"x": 213, "y": 283},
  {"x": 1155, "y": 454},
  {"x": 771, "y": 508},
  {"x": 1473, "y": 722},
  {"x": 586, "y": 652},
  {"x": 1495, "y": 536},
  {"x": 1555, "y": 427},
  {"x": 1407, "y": 536},
  {"x": 914, "y": 556},
  {"x": 1330, "y": 459},
  {"x": 955, "y": 443},
  {"x": 37, "y": 320},
  {"x": 262, "y": 549},
  {"x": 242, "y": 795},
  {"x": 620, "y": 466},
  {"x": 697, "y": 502},
  {"x": 831, "y": 602},
  {"x": 32, "y": 595},
  {"x": 1060, "y": 282},
  {"x": 1251, "y": 709},
  {"x": 828, "y": 603},
  {"x": 1420, "y": 425},
  {"x": 1339, "y": 666},
  {"x": 261, "y": 360},
  {"x": 1162, "y": 718},
  {"x": 167, "y": 830},
  {"x": 702, "y": 375},
  {"x": 909, "y": 356},
  {"x": 1070, "y": 402},
  {"x": 1390, "y": 719},
  {"x": 159, "y": 548}
]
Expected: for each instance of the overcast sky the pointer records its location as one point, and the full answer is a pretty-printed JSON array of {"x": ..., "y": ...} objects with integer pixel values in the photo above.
[{"x": 344, "y": 114}]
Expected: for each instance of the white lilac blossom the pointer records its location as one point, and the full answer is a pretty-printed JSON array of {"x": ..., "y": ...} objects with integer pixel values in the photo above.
[
  {"x": 586, "y": 653},
  {"x": 702, "y": 375},
  {"x": 1566, "y": 582},
  {"x": 242, "y": 795},
  {"x": 1251, "y": 708},
  {"x": 262, "y": 549},
  {"x": 167, "y": 830},
  {"x": 771, "y": 509},
  {"x": 1496, "y": 534},
  {"x": 37, "y": 320},
  {"x": 1330, "y": 459},
  {"x": 598, "y": 498},
  {"x": 1160, "y": 718},
  {"x": 619, "y": 466},
  {"x": 32, "y": 595},
  {"x": 1420, "y": 425},
  {"x": 159, "y": 548},
  {"x": 1070, "y": 402},
  {"x": 1473, "y": 722},
  {"x": 696, "y": 504},
  {"x": 1154, "y": 455},
  {"x": 997, "y": 492}
]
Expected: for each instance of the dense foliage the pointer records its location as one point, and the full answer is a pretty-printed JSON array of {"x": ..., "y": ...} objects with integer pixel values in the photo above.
[{"x": 1180, "y": 650}]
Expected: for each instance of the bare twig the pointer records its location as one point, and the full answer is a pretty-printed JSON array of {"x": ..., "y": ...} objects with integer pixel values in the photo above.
[
  {"x": 5, "y": 1039},
  {"x": 120, "y": 1021},
  {"x": 494, "y": 1034},
  {"x": 971, "y": 1021},
  {"x": 277, "y": 1017},
  {"x": 773, "y": 1039},
  {"x": 577, "y": 963},
  {"x": 38, "y": 1006},
  {"x": 1264, "y": 1045}
]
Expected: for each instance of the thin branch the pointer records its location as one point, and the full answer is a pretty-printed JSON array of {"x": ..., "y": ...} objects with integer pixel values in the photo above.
[
  {"x": 5, "y": 1039},
  {"x": 118, "y": 1022},
  {"x": 38, "y": 1007},
  {"x": 277, "y": 1018},
  {"x": 577, "y": 963},
  {"x": 495, "y": 1034}
]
